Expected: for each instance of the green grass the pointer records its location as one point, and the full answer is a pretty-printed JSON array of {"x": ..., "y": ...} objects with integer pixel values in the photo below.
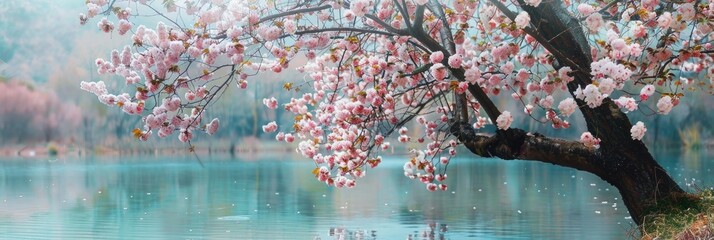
[{"x": 687, "y": 217}]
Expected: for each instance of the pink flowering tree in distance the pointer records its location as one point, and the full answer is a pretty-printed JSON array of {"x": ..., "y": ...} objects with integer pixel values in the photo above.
[{"x": 369, "y": 67}]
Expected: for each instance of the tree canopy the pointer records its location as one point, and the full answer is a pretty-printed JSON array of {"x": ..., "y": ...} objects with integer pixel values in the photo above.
[{"x": 372, "y": 66}]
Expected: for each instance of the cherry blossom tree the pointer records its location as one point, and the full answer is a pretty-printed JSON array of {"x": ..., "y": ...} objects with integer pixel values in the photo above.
[{"x": 372, "y": 66}]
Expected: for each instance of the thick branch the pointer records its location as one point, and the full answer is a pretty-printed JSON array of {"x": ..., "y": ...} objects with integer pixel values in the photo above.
[
  {"x": 517, "y": 144},
  {"x": 547, "y": 18}
]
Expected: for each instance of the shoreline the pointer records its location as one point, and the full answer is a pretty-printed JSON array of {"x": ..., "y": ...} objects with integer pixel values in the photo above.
[
  {"x": 55, "y": 149},
  {"x": 246, "y": 147}
]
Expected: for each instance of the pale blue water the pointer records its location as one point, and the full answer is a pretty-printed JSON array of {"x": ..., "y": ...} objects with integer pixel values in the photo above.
[{"x": 175, "y": 198}]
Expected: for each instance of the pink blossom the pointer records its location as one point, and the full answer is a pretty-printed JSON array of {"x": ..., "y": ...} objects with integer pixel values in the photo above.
[
  {"x": 403, "y": 130},
  {"x": 546, "y": 102},
  {"x": 190, "y": 96},
  {"x": 463, "y": 86},
  {"x": 594, "y": 22},
  {"x": 124, "y": 26},
  {"x": 290, "y": 26},
  {"x": 533, "y": 3},
  {"x": 585, "y": 9},
  {"x": 209, "y": 17},
  {"x": 606, "y": 86},
  {"x": 589, "y": 140},
  {"x": 687, "y": 11},
  {"x": 439, "y": 71},
  {"x": 242, "y": 84},
  {"x": 436, "y": 57},
  {"x": 528, "y": 109},
  {"x": 270, "y": 33},
  {"x": 626, "y": 102},
  {"x": 618, "y": 44},
  {"x": 280, "y": 137},
  {"x": 409, "y": 168},
  {"x": 185, "y": 135},
  {"x": 431, "y": 187},
  {"x": 360, "y": 7},
  {"x": 288, "y": 137},
  {"x": 522, "y": 75},
  {"x": 563, "y": 73},
  {"x": 504, "y": 120},
  {"x": 650, "y": 4},
  {"x": 664, "y": 20},
  {"x": 533, "y": 87},
  {"x": 522, "y": 20},
  {"x": 638, "y": 131},
  {"x": 507, "y": 68},
  {"x": 664, "y": 105},
  {"x": 591, "y": 95},
  {"x": 270, "y": 127},
  {"x": 646, "y": 92},
  {"x": 212, "y": 127},
  {"x": 93, "y": 10},
  {"x": 455, "y": 61},
  {"x": 271, "y": 103},
  {"x": 627, "y": 14},
  {"x": 567, "y": 107},
  {"x": 105, "y": 25}
]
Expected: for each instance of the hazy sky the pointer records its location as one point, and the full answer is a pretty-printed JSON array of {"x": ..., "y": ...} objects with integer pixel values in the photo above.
[{"x": 39, "y": 36}]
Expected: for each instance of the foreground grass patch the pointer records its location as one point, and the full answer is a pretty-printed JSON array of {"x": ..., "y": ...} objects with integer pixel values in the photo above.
[{"x": 687, "y": 217}]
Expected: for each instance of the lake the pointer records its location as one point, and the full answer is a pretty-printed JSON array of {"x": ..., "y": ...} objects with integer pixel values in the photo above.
[{"x": 271, "y": 198}]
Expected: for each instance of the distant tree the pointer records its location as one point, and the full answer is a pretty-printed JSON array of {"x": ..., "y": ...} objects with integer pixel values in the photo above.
[
  {"x": 29, "y": 115},
  {"x": 373, "y": 66}
]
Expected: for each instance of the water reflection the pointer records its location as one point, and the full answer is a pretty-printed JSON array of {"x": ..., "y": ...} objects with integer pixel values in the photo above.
[{"x": 267, "y": 199}]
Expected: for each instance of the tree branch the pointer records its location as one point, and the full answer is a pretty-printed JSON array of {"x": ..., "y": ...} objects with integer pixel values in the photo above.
[
  {"x": 517, "y": 144},
  {"x": 404, "y": 12},
  {"x": 345, "y": 29},
  {"x": 293, "y": 12},
  {"x": 550, "y": 44},
  {"x": 459, "y": 73},
  {"x": 387, "y": 26},
  {"x": 446, "y": 37}
]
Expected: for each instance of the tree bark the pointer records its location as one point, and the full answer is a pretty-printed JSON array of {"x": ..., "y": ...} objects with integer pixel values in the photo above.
[{"x": 621, "y": 161}]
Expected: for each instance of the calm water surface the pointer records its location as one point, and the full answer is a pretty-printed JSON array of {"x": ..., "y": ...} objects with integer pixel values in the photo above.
[{"x": 175, "y": 198}]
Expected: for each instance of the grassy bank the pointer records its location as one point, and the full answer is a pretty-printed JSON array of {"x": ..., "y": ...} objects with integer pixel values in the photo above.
[{"x": 689, "y": 217}]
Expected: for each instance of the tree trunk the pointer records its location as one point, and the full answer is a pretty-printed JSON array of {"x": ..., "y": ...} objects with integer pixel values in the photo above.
[
  {"x": 629, "y": 166},
  {"x": 621, "y": 161}
]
